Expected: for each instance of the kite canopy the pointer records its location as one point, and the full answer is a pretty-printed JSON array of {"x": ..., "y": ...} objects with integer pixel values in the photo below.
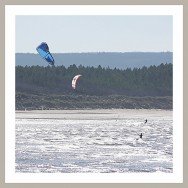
[
  {"x": 74, "y": 81},
  {"x": 43, "y": 51}
]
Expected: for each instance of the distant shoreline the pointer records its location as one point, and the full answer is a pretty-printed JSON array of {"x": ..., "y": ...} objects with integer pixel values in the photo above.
[
  {"x": 80, "y": 102},
  {"x": 87, "y": 111},
  {"x": 119, "y": 60},
  {"x": 92, "y": 114}
]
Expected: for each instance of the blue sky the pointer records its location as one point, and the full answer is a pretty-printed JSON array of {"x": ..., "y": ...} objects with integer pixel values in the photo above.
[{"x": 66, "y": 34}]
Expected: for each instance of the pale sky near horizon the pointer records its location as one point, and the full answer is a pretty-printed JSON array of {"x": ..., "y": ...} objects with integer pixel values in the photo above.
[{"x": 66, "y": 34}]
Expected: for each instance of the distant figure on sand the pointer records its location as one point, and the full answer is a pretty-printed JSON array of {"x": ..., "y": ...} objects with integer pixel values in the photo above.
[{"x": 146, "y": 121}]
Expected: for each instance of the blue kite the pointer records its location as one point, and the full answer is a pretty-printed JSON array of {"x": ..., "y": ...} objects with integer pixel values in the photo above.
[{"x": 43, "y": 51}]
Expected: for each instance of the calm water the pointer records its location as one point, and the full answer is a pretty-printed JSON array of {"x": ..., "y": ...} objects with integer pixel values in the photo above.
[{"x": 103, "y": 141}]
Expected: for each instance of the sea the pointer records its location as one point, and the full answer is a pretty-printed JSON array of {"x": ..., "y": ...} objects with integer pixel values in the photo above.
[{"x": 94, "y": 141}]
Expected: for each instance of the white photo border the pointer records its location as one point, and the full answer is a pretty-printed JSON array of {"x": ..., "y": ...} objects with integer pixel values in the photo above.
[{"x": 11, "y": 11}]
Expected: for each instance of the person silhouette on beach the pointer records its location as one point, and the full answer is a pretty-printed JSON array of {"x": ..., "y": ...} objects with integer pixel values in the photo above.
[{"x": 146, "y": 121}]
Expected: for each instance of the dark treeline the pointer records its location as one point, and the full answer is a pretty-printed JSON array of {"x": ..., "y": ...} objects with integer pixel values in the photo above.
[{"x": 146, "y": 81}]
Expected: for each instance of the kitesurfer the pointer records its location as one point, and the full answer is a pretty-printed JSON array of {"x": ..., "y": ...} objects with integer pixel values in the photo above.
[
  {"x": 141, "y": 135},
  {"x": 146, "y": 121}
]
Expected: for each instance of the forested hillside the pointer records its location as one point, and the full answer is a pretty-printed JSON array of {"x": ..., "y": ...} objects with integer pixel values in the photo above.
[
  {"x": 152, "y": 81},
  {"x": 50, "y": 87}
]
